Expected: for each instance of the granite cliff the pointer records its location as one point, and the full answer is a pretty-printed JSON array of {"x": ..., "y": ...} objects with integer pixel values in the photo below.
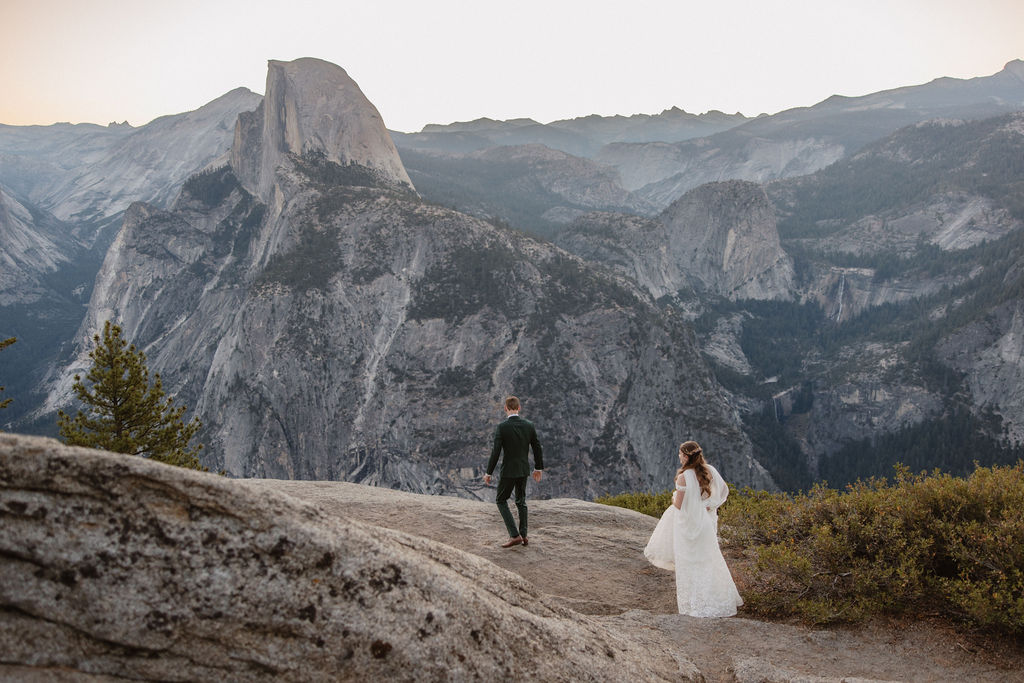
[
  {"x": 719, "y": 239},
  {"x": 32, "y": 245},
  {"x": 312, "y": 107},
  {"x": 299, "y": 289},
  {"x": 86, "y": 175},
  {"x": 858, "y": 310},
  {"x": 325, "y": 322},
  {"x": 65, "y": 189}
]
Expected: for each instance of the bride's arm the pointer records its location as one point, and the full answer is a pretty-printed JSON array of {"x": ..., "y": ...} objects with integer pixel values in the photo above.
[{"x": 677, "y": 495}]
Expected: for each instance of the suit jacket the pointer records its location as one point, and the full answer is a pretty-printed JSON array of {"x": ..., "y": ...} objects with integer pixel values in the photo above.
[{"x": 515, "y": 436}]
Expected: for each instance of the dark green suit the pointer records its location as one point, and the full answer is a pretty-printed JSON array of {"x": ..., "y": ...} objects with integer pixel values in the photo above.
[{"x": 515, "y": 436}]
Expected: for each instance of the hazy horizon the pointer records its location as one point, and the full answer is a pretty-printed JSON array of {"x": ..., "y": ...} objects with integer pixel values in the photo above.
[{"x": 112, "y": 60}]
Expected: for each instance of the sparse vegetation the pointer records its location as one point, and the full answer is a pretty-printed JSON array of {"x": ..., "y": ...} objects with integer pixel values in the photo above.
[
  {"x": 505, "y": 192},
  {"x": 326, "y": 173},
  {"x": 310, "y": 264},
  {"x": 978, "y": 157},
  {"x": 948, "y": 442},
  {"x": 212, "y": 186}
]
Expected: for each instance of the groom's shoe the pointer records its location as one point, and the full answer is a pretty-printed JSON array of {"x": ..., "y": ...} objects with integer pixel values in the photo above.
[
  {"x": 526, "y": 541},
  {"x": 518, "y": 540}
]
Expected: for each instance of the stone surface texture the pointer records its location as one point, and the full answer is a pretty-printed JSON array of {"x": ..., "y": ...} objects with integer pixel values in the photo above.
[
  {"x": 116, "y": 566},
  {"x": 312, "y": 106}
]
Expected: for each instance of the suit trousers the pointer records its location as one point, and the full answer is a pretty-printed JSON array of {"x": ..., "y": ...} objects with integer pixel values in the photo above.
[{"x": 506, "y": 485}]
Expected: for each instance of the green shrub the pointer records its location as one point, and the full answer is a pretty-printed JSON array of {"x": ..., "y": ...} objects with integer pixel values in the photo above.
[
  {"x": 653, "y": 504},
  {"x": 925, "y": 544}
]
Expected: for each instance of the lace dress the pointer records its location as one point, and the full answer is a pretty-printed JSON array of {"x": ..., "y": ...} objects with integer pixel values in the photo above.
[{"x": 686, "y": 541}]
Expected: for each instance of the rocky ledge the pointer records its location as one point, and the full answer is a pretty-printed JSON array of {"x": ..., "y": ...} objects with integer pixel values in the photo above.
[{"x": 118, "y": 567}]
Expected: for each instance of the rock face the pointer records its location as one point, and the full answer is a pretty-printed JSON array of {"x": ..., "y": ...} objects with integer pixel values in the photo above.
[
  {"x": 64, "y": 190},
  {"x": 725, "y": 235},
  {"x": 344, "y": 329},
  {"x": 302, "y": 298},
  {"x": 719, "y": 239},
  {"x": 315, "y": 364},
  {"x": 312, "y": 106},
  {"x": 990, "y": 352},
  {"x": 953, "y": 221},
  {"x": 31, "y": 246},
  {"x": 660, "y": 173},
  {"x": 897, "y": 306},
  {"x": 658, "y": 159},
  {"x": 128, "y": 568},
  {"x": 87, "y": 174}
]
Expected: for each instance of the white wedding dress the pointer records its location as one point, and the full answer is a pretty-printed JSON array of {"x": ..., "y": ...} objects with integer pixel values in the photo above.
[{"x": 686, "y": 540}]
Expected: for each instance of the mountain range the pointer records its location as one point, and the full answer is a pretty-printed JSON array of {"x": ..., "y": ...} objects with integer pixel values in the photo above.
[{"x": 805, "y": 293}]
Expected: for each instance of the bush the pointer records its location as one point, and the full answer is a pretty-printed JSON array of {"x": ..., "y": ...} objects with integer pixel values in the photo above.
[
  {"x": 653, "y": 504},
  {"x": 925, "y": 544}
]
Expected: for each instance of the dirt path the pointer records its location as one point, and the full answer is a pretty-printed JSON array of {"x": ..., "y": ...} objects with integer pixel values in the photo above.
[{"x": 591, "y": 556}]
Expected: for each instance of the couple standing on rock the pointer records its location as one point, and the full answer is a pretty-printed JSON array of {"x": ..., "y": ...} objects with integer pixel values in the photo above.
[{"x": 685, "y": 539}]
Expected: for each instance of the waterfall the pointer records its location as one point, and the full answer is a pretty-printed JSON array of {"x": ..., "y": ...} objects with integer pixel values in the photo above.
[{"x": 842, "y": 290}]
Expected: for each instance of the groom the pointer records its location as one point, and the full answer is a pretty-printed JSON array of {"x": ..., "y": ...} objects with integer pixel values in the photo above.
[{"x": 516, "y": 437}]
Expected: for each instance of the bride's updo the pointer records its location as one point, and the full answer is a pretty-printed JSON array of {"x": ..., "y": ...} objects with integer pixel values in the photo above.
[{"x": 695, "y": 462}]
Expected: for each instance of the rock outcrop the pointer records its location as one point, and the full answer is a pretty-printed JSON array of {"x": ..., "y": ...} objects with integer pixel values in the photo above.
[
  {"x": 31, "y": 246},
  {"x": 118, "y": 567},
  {"x": 990, "y": 352},
  {"x": 725, "y": 237},
  {"x": 312, "y": 107},
  {"x": 719, "y": 239}
]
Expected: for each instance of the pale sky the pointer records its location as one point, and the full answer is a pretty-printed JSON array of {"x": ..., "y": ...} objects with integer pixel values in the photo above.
[{"x": 438, "y": 61}]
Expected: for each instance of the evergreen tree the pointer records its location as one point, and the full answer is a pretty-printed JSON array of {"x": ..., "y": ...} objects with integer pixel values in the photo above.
[
  {"x": 124, "y": 413},
  {"x": 3, "y": 345}
]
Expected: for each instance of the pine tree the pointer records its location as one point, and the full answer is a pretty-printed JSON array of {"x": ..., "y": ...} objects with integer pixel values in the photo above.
[
  {"x": 124, "y": 413},
  {"x": 3, "y": 345}
]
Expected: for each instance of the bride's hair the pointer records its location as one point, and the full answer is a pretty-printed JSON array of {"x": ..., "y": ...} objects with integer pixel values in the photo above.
[{"x": 695, "y": 462}]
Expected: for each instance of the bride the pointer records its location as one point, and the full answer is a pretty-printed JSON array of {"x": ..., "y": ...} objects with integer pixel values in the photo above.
[{"x": 686, "y": 539}]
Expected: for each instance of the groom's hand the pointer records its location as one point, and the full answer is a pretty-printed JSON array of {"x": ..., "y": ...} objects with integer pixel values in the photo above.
[
  {"x": 537, "y": 475},
  {"x": 487, "y": 479}
]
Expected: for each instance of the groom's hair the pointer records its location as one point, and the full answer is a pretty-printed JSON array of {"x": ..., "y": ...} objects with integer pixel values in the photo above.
[{"x": 512, "y": 403}]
